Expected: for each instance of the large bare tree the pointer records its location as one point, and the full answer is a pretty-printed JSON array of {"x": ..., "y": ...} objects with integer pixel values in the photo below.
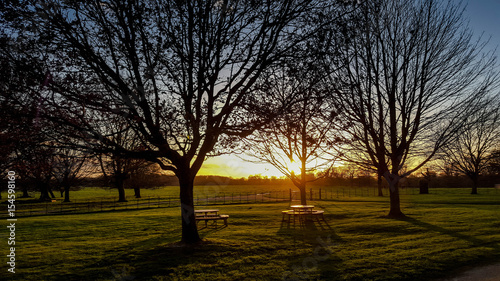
[
  {"x": 175, "y": 71},
  {"x": 407, "y": 77}
]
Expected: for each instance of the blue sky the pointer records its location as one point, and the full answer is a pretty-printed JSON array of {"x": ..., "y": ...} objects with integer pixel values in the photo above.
[{"x": 484, "y": 18}]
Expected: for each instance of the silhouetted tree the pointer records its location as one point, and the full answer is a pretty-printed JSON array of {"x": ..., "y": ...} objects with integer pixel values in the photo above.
[
  {"x": 70, "y": 167},
  {"x": 471, "y": 151},
  {"x": 408, "y": 75},
  {"x": 16, "y": 106},
  {"x": 494, "y": 163},
  {"x": 116, "y": 168},
  {"x": 34, "y": 163},
  {"x": 297, "y": 141},
  {"x": 141, "y": 177},
  {"x": 175, "y": 71}
]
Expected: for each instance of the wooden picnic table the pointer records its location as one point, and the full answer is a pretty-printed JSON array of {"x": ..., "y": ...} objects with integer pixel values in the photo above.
[
  {"x": 210, "y": 214},
  {"x": 207, "y": 213},
  {"x": 303, "y": 212},
  {"x": 302, "y": 208}
]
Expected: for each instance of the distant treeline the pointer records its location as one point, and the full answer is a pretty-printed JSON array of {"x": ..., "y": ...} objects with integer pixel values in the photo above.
[{"x": 155, "y": 181}]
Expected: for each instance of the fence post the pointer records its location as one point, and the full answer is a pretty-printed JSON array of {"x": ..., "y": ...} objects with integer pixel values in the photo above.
[
  {"x": 46, "y": 207},
  {"x": 320, "y": 194},
  {"x": 290, "y": 195}
]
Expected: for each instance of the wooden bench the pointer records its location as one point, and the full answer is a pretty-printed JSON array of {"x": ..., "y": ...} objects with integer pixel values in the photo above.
[
  {"x": 212, "y": 218},
  {"x": 302, "y": 215},
  {"x": 318, "y": 215}
]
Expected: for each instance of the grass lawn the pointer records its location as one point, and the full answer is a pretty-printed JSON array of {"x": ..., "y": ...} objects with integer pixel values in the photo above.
[{"x": 445, "y": 231}]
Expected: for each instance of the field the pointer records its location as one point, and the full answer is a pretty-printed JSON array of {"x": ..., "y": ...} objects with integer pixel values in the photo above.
[{"x": 445, "y": 231}]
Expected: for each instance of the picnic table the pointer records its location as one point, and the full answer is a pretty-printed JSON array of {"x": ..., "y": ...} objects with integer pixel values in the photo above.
[
  {"x": 210, "y": 214},
  {"x": 303, "y": 213},
  {"x": 207, "y": 213},
  {"x": 302, "y": 208}
]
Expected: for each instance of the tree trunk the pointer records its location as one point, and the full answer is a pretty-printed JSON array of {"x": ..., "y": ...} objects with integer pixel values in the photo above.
[
  {"x": 379, "y": 185},
  {"x": 189, "y": 229},
  {"x": 474, "y": 185},
  {"x": 303, "y": 195},
  {"x": 66, "y": 192},
  {"x": 25, "y": 192},
  {"x": 395, "y": 210},
  {"x": 51, "y": 193},
  {"x": 424, "y": 186},
  {"x": 120, "y": 185},
  {"x": 44, "y": 191},
  {"x": 137, "y": 192}
]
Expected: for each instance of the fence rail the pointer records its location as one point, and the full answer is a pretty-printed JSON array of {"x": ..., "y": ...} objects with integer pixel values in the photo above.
[{"x": 106, "y": 205}]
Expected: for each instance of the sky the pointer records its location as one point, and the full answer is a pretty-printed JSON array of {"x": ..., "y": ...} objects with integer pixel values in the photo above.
[{"x": 484, "y": 18}]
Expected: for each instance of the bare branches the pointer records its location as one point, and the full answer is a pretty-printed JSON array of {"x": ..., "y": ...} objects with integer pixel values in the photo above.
[
  {"x": 405, "y": 81},
  {"x": 471, "y": 151}
]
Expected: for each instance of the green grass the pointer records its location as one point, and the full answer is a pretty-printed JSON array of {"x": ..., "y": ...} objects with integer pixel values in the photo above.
[
  {"x": 95, "y": 193},
  {"x": 203, "y": 191},
  {"x": 445, "y": 231}
]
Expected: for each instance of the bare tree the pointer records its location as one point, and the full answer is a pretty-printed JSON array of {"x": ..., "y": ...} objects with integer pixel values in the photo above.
[
  {"x": 409, "y": 74},
  {"x": 115, "y": 167},
  {"x": 494, "y": 163},
  {"x": 296, "y": 142},
  {"x": 471, "y": 152},
  {"x": 70, "y": 167},
  {"x": 34, "y": 163},
  {"x": 143, "y": 176},
  {"x": 175, "y": 71}
]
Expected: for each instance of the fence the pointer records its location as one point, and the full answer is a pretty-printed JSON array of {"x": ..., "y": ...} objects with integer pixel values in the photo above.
[{"x": 106, "y": 205}]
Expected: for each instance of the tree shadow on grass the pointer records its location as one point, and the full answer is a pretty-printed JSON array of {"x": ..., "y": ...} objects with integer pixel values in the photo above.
[
  {"x": 166, "y": 260},
  {"x": 320, "y": 243},
  {"x": 213, "y": 226},
  {"x": 305, "y": 224},
  {"x": 476, "y": 242}
]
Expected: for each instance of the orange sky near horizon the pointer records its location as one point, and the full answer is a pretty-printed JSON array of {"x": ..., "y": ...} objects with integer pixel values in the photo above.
[{"x": 232, "y": 166}]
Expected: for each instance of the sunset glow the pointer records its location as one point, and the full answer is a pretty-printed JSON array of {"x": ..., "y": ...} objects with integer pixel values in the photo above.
[{"x": 295, "y": 167}]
